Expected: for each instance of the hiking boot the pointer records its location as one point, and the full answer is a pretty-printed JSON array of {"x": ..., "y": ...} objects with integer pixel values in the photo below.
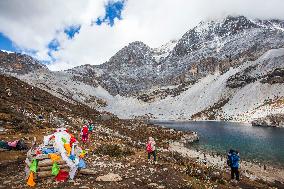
[{"x": 233, "y": 181}]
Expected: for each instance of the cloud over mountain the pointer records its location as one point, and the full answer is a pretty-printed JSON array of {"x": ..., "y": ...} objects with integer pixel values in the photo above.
[{"x": 33, "y": 25}]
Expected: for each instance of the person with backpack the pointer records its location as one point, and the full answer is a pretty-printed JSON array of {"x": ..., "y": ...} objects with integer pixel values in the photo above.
[
  {"x": 233, "y": 161},
  {"x": 84, "y": 133},
  {"x": 151, "y": 149},
  {"x": 14, "y": 145},
  {"x": 91, "y": 127}
]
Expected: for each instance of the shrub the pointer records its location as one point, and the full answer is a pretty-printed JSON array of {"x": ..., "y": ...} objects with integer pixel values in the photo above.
[{"x": 113, "y": 150}]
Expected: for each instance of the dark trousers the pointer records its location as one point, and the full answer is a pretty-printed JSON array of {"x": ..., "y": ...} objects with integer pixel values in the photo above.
[
  {"x": 235, "y": 171},
  {"x": 152, "y": 153}
]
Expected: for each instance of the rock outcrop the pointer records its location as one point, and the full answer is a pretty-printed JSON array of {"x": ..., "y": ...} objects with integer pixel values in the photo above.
[
  {"x": 275, "y": 76},
  {"x": 19, "y": 63},
  {"x": 276, "y": 120}
]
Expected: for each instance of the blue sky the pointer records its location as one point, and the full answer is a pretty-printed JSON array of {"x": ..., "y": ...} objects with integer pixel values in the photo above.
[
  {"x": 6, "y": 43},
  {"x": 113, "y": 11},
  {"x": 72, "y": 31}
]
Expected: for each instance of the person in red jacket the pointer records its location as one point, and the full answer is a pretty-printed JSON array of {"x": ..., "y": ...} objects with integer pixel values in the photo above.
[
  {"x": 84, "y": 133},
  {"x": 151, "y": 149}
]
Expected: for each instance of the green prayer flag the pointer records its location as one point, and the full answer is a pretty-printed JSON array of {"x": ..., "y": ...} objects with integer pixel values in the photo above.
[
  {"x": 33, "y": 166},
  {"x": 63, "y": 140},
  {"x": 55, "y": 169}
]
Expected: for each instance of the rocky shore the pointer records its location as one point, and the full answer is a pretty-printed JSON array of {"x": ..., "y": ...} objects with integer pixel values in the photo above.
[
  {"x": 253, "y": 171},
  {"x": 276, "y": 120}
]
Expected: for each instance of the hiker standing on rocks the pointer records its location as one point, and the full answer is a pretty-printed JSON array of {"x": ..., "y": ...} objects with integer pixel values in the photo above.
[
  {"x": 233, "y": 162},
  {"x": 151, "y": 149},
  {"x": 85, "y": 132}
]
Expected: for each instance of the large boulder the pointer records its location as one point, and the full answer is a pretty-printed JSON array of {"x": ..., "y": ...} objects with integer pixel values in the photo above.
[
  {"x": 189, "y": 138},
  {"x": 110, "y": 177},
  {"x": 106, "y": 117}
]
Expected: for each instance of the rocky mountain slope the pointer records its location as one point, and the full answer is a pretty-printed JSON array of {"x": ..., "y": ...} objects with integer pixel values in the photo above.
[
  {"x": 25, "y": 108},
  {"x": 230, "y": 69},
  {"x": 17, "y": 63}
]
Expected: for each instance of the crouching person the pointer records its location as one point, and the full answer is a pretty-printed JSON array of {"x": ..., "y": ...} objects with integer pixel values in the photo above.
[{"x": 151, "y": 149}]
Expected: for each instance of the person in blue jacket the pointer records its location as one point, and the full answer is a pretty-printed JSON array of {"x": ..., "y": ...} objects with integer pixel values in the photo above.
[{"x": 233, "y": 161}]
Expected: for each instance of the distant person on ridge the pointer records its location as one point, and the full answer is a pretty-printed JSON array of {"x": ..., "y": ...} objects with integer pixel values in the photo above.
[
  {"x": 91, "y": 125},
  {"x": 90, "y": 128},
  {"x": 151, "y": 149},
  {"x": 233, "y": 162},
  {"x": 85, "y": 132}
]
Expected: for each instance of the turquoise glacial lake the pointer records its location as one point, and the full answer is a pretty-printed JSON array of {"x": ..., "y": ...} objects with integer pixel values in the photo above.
[{"x": 261, "y": 144}]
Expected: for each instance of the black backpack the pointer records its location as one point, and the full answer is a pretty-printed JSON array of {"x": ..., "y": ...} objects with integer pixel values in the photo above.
[
  {"x": 21, "y": 145},
  {"x": 4, "y": 145},
  {"x": 229, "y": 160}
]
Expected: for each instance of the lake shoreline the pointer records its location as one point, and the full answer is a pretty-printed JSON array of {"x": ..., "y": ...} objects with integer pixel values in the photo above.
[
  {"x": 213, "y": 153},
  {"x": 248, "y": 169},
  {"x": 153, "y": 121},
  {"x": 261, "y": 122}
]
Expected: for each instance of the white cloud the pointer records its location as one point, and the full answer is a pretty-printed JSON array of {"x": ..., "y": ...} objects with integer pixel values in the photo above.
[{"x": 33, "y": 24}]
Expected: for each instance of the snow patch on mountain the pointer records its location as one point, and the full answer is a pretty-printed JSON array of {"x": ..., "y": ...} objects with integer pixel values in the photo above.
[
  {"x": 9, "y": 52},
  {"x": 246, "y": 103},
  {"x": 198, "y": 97},
  {"x": 164, "y": 50}
]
